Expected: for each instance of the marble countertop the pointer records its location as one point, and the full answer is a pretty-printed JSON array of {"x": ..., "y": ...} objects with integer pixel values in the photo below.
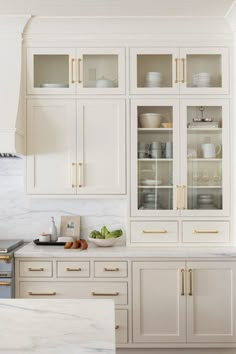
[
  {"x": 31, "y": 250},
  {"x": 40, "y": 326}
]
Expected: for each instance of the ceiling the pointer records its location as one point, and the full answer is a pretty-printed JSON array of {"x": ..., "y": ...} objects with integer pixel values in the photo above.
[{"x": 116, "y": 7}]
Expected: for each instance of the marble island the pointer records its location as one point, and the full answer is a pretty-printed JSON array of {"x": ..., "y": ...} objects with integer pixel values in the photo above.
[{"x": 42, "y": 326}]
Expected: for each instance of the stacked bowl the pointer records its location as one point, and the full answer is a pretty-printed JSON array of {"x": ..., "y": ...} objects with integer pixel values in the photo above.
[
  {"x": 201, "y": 80},
  {"x": 153, "y": 79}
]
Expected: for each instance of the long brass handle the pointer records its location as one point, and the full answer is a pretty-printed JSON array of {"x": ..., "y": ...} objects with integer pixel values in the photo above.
[
  {"x": 72, "y": 70},
  {"x": 176, "y": 71},
  {"x": 79, "y": 78},
  {"x": 206, "y": 232},
  {"x": 177, "y": 197},
  {"x": 42, "y": 294},
  {"x": 184, "y": 188},
  {"x": 73, "y": 269},
  {"x": 79, "y": 166},
  {"x": 4, "y": 258},
  {"x": 104, "y": 294},
  {"x": 73, "y": 185},
  {"x": 36, "y": 269},
  {"x": 155, "y": 231},
  {"x": 183, "y": 68},
  {"x": 111, "y": 269},
  {"x": 190, "y": 282},
  {"x": 117, "y": 327},
  {"x": 182, "y": 280},
  {"x": 5, "y": 283}
]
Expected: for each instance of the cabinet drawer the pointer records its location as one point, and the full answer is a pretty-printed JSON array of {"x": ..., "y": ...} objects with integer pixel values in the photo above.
[
  {"x": 154, "y": 231},
  {"x": 110, "y": 269},
  {"x": 121, "y": 326},
  {"x": 206, "y": 231},
  {"x": 69, "y": 269},
  {"x": 74, "y": 290},
  {"x": 35, "y": 269}
]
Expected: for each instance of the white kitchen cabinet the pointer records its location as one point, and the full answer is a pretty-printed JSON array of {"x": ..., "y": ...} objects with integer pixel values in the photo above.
[
  {"x": 69, "y": 153},
  {"x": 159, "y": 304}
]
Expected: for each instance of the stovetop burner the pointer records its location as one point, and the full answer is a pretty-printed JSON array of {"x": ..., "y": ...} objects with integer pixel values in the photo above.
[{"x": 8, "y": 245}]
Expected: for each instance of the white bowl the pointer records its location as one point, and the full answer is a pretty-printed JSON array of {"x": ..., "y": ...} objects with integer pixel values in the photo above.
[
  {"x": 152, "y": 83},
  {"x": 150, "y": 120},
  {"x": 104, "y": 242},
  {"x": 153, "y": 75}
]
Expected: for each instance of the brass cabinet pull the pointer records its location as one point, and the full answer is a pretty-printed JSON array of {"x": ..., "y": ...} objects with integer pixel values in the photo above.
[
  {"x": 176, "y": 71},
  {"x": 79, "y": 166},
  {"x": 72, "y": 70},
  {"x": 190, "y": 282},
  {"x": 184, "y": 188},
  {"x": 183, "y": 67},
  {"x": 5, "y": 283},
  {"x": 42, "y": 294},
  {"x": 36, "y": 269},
  {"x": 182, "y": 279},
  {"x": 6, "y": 259},
  {"x": 206, "y": 232},
  {"x": 155, "y": 231},
  {"x": 117, "y": 327},
  {"x": 177, "y": 197},
  {"x": 73, "y": 269},
  {"x": 111, "y": 269},
  {"x": 73, "y": 175},
  {"x": 79, "y": 78},
  {"x": 104, "y": 294}
]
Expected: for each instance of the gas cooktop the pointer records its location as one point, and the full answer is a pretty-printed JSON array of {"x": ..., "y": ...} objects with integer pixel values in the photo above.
[{"x": 8, "y": 245}]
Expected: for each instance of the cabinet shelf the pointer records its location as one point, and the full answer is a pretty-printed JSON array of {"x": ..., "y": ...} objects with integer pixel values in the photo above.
[
  {"x": 151, "y": 130},
  {"x": 155, "y": 187},
  {"x": 204, "y": 160},
  {"x": 205, "y": 187},
  {"x": 201, "y": 130},
  {"x": 154, "y": 160}
]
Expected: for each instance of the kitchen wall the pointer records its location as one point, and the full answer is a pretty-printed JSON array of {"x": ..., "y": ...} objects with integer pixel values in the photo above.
[{"x": 23, "y": 217}]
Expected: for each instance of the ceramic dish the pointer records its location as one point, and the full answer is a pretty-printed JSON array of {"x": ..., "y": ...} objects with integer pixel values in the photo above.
[
  {"x": 167, "y": 125},
  {"x": 151, "y": 182},
  {"x": 99, "y": 242}
]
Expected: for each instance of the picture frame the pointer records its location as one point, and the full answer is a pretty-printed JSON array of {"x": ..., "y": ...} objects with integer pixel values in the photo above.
[{"x": 70, "y": 226}]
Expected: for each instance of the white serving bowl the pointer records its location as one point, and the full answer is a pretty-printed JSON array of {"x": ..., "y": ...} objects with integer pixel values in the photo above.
[
  {"x": 150, "y": 120},
  {"x": 153, "y": 75},
  {"x": 99, "y": 242}
]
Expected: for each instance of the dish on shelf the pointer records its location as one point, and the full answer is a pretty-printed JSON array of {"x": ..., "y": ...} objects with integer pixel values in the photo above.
[
  {"x": 54, "y": 86},
  {"x": 150, "y": 120},
  {"x": 151, "y": 182},
  {"x": 167, "y": 125}
]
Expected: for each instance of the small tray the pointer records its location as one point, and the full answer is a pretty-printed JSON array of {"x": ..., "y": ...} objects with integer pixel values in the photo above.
[{"x": 50, "y": 243}]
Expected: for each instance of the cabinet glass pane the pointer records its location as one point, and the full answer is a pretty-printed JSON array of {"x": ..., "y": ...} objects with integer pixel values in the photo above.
[
  {"x": 204, "y": 151},
  {"x": 204, "y": 70},
  {"x": 51, "y": 71},
  {"x": 100, "y": 71},
  {"x": 155, "y": 158},
  {"x": 154, "y": 70}
]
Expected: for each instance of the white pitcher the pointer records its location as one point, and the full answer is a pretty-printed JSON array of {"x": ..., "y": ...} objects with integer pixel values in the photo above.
[{"x": 210, "y": 151}]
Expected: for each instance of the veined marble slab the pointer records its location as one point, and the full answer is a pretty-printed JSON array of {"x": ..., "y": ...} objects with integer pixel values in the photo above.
[
  {"x": 40, "y": 326},
  {"x": 31, "y": 250}
]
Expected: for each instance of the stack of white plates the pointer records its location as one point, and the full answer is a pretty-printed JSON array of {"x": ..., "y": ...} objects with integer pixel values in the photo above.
[
  {"x": 201, "y": 80},
  {"x": 153, "y": 79}
]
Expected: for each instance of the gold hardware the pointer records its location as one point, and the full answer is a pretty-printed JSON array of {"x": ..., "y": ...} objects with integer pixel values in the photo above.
[
  {"x": 73, "y": 269},
  {"x": 36, "y": 269},
  {"x": 190, "y": 282},
  {"x": 111, "y": 269},
  {"x": 79, "y": 79},
  {"x": 5, "y": 283},
  {"x": 184, "y": 196},
  {"x": 117, "y": 327},
  {"x": 104, "y": 294},
  {"x": 182, "y": 275},
  {"x": 155, "y": 232},
  {"x": 79, "y": 165},
  {"x": 177, "y": 197},
  {"x": 206, "y": 232},
  {"x": 176, "y": 71},
  {"x": 6, "y": 259},
  {"x": 42, "y": 294},
  {"x": 73, "y": 175},
  {"x": 183, "y": 66},
  {"x": 72, "y": 70}
]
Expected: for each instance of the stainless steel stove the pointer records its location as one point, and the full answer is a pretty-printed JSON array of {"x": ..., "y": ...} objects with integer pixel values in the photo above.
[{"x": 7, "y": 265}]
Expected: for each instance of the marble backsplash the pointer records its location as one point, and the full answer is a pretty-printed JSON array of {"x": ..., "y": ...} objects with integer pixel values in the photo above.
[{"x": 23, "y": 217}]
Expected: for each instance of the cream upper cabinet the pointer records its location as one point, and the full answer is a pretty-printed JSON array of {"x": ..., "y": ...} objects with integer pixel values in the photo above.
[
  {"x": 179, "y": 71},
  {"x": 51, "y": 146},
  {"x": 159, "y": 311},
  {"x": 76, "y": 71},
  {"x": 211, "y": 294}
]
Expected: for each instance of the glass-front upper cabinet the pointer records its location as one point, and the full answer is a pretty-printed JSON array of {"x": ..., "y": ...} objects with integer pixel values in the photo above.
[
  {"x": 155, "y": 158},
  {"x": 71, "y": 71},
  {"x": 205, "y": 158},
  {"x": 154, "y": 70}
]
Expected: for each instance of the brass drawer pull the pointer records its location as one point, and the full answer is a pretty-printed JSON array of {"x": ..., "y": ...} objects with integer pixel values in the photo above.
[
  {"x": 177, "y": 197},
  {"x": 190, "y": 282},
  {"x": 182, "y": 275},
  {"x": 104, "y": 294},
  {"x": 117, "y": 327},
  {"x": 206, "y": 232},
  {"x": 155, "y": 231},
  {"x": 183, "y": 66},
  {"x": 5, "y": 283},
  {"x": 184, "y": 190},
  {"x": 36, "y": 269},
  {"x": 176, "y": 70},
  {"x": 73, "y": 175},
  {"x": 72, "y": 70},
  {"x": 42, "y": 294},
  {"x": 79, "y": 78},
  {"x": 80, "y": 166},
  {"x": 111, "y": 269},
  {"x": 6, "y": 259},
  {"x": 73, "y": 269}
]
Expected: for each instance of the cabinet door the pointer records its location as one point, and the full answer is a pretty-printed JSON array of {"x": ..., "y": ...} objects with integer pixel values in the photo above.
[
  {"x": 154, "y": 70},
  {"x": 51, "y": 71},
  {"x": 51, "y": 147},
  {"x": 211, "y": 308},
  {"x": 101, "y": 146},
  {"x": 155, "y": 158},
  {"x": 101, "y": 70},
  {"x": 158, "y": 302},
  {"x": 205, "y": 158},
  {"x": 204, "y": 71}
]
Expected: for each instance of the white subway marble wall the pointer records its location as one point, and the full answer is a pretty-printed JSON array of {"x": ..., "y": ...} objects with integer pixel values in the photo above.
[{"x": 24, "y": 217}]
